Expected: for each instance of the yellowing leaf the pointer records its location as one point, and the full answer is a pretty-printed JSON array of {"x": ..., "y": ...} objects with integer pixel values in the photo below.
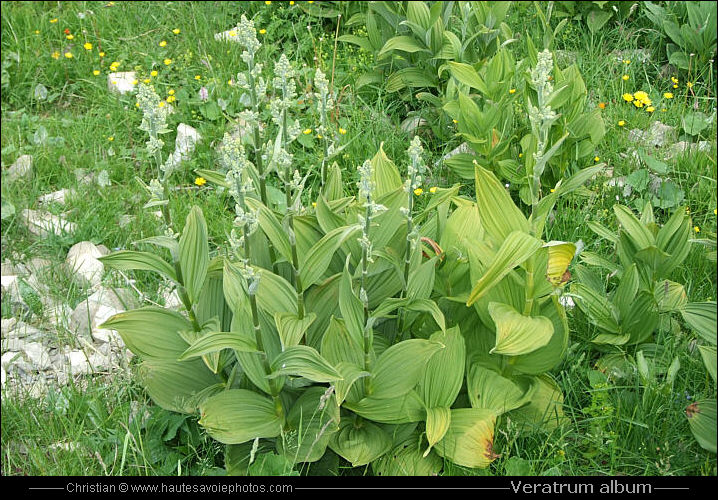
[
  {"x": 469, "y": 441},
  {"x": 560, "y": 254}
]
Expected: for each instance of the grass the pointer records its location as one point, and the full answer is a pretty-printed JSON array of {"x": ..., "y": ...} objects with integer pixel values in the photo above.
[{"x": 616, "y": 427}]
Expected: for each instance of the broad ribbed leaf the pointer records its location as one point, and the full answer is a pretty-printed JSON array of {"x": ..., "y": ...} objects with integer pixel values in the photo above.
[
  {"x": 497, "y": 211},
  {"x": 178, "y": 386},
  {"x": 437, "y": 423},
  {"x": 291, "y": 329},
  {"x": 403, "y": 43},
  {"x": 670, "y": 296},
  {"x": 596, "y": 307},
  {"x": 351, "y": 307},
  {"x": 515, "y": 249},
  {"x": 350, "y": 373},
  {"x": 237, "y": 415},
  {"x": 401, "y": 410},
  {"x": 216, "y": 341},
  {"x": 626, "y": 290},
  {"x": 408, "y": 459},
  {"x": 637, "y": 232},
  {"x": 400, "y": 367},
  {"x": 313, "y": 419},
  {"x": 560, "y": 254},
  {"x": 194, "y": 253},
  {"x": 128, "y": 260},
  {"x": 441, "y": 380},
  {"x": 151, "y": 332},
  {"x": 359, "y": 444},
  {"x": 469, "y": 441},
  {"x": 304, "y": 361},
  {"x": 384, "y": 174},
  {"x": 702, "y": 420},
  {"x": 421, "y": 280},
  {"x": 546, "y": 406},
  {"x": 517, "y": 334},
  {"x": 709, "y": 359},
  {"x": 701, "y": 316},
  {"x": 271, "y": 227},
  {"x": 467, "y": 75},
  {"x": 275, "y": 294},
  {"x": 320, "y": 255},
  {"x": 489, "y": 390}
]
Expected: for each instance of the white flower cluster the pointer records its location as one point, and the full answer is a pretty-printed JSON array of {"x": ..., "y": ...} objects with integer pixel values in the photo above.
[
  {"x": 541, "y": 117},
  {"x": 157, "y": 194},
  {"x": 416, "y": 167},
  {"x": 154, "y": 116},
  {"x": 234, "y": 159},
  {"x": 286, "y": 87},
  {"x": 325, "y": 101},
  {"x": 247, "y": 37}
]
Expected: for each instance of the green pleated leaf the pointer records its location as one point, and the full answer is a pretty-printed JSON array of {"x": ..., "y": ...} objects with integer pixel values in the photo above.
[
  {"x": 304, "y": 361},
  {"x": 515, "y": 249},
  {"x": 428, "y": 306},
  {"x": 151, "y": 332},
  {"x": 291, "y": 329},
  {"x": 441, "y": 380},
  {"x": 636, "y": 231},
  {"x": 701, "y": 316},
  {"x": 497, "y": 211},
  {"x": 702, "y": 420},
  {"x": 490, "y": 391},
  {"x": 517, "y": 334},
  {"x": 271, "y": 227},
  {"x": 275, "y": 294},
  {"x": 359, "y": 444},
  {"x": 400, "y": 367},
  {"x": 320, "y": 255},
  {"x": 401, "y": 410},
  {"x": 467, "y": 75},
  {"x": 312, "y": 421},
  {"x": 194, "y": 253},
  {"x": 175, "y": 385},
  {"x": 545, "y": 409},
  {"x": 437, "y": 423},
  {"x": 216, "y": 341},
  {"x": 333, "y": 187},
  {"x": 253, "y": 366},
  {"x": 421, "y": 280},
  {"x": 547, "y": 357},
  {"x": 709, "y": 359},
  {"x": 235, "y": 416},
  {"x": 403, "y": 43},
  {"x": 626, "y": 290},
  {"x": 350, "y": 373},
  {"x": 351, "y": 307},
  {"x": 384, "y": 174},
  {"x": 129, "y": 260},
  {"x": 596, "y": 307},
  {"x": 670, "y": 296},
  {"x": 407, "y": 459},
  {"x": 469, "y": 441}
]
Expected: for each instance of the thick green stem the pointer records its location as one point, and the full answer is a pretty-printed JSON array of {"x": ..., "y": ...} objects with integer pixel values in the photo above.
[{"x": 529, "y": 301}]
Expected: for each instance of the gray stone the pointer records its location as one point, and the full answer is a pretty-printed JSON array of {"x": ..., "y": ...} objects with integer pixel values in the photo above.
[
  {"x": 42, "y": 224},
  {"x": 685, "y": 147},
  {"x": 37, "y": 355},
  {"x": 657, "y": 136},
  {"x": 121, "y": 82},
  {"x": 98, "y": 307},
  {"x": 57, "y": 196},
  {"x": 82, "y": 261},
  {"x": 78, "y": 363},
  {"x": 10, "y": 285},
  {"x": 21, "y": 330},
  {"x": 21, "y": 169}
]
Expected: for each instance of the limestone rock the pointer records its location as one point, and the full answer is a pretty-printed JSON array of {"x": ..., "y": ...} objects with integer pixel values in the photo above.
[
  {"x": 82, "y": 261},
  {"x": 97, "y": 308},
  {"x": 10, "y": 285},
  {"x": 56, "y": 196},
  {"x": 21, "y": 169},
  {"x": 42, "y": 224}
]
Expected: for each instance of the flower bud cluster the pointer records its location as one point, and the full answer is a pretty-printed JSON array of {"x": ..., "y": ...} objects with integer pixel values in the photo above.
[{"x": 154, "y": 116}]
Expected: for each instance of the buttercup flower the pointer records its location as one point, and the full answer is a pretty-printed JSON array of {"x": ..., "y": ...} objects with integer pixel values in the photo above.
[
  {"x": 433, "y": 189},
  {"x": 69, "y": 55},
  {"x": 512, "y": 91},
  {"x": 197, "y": 77},
  {"x": 55, "y": 55},
  {"x": 621, "y": 123},
  {"x": 418, "y": 191},
  {"x": 668, "y": 95},
  {"x": 307, "y": 131},
  {"x": 650, "y": 109},
  {"x": 342, "y": 131},
  {"x": 674, "y": 79},
  {"x": 262, "y": 31},
  {"x": 96, "y": 72},
  {"x": 697, "y": 229},
  {"x": 88, "y": 46},
  {"x": 70, "y": 37},
  {"x": 176, "y": 31},
  {"x": 163, "y": 43},
  {"x": 625, "y": 77},
  {"x": 628, "y": 97},
  {"x": 153, "y": 73},
  {"x": 53, "y": 20},
  {"x": 102, "y": 54},
  {"x": 167, "y": 61},
  {"x": 596, "y": 158},
  {"x": 200, "y": 181}
]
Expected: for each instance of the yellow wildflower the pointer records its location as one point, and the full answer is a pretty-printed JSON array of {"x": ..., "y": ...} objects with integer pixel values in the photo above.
[
  {"x": 111, "y": 138},
  {"x": 553, "y": 190},
  {"x": 418, "y": 191},
  {"x": 153, "y": 72},
  {"x": 53, "y": 20},
  {"x": 455, "y": 121},
  {"x": 314, "y": 204},
  {"x": 626, "y": 61},
  {"x": 650, "y": 109},
  {"x": 171, "y": 92},
  {"x": 342, "y": 131},
  {"x": 675, "y": 85},
  {"x": 689, "y": 85},
  {"x": 70, "y": 37},
  {"x": 176, "y": 31},
  {"x": 628, "y": 97},
  {"x": 307, "y": 131},
  {"x": 643, "y": 97},
  {"x": 433, "y": 189},
  {"x": 68, "y": 55},
  {"x": 167, "y": 61},
  {"x": 267, "y": 2},
  {"x": 596, "y": 158},
  {"x": 134, "y": 82},
  {"x": 96, "y": 72},
  {"x": 668, "y": 95},
  {"x": 55, "y": 55},
  {"x": 638, "y": 104},
  {"x": 163, "y": 43},
  {"x": 697, "y": 229},
  {"x": 171, "y": 98},
  {"x": 162, "y": 104},
  {"x": 197, "y": 77},
  {"x": 512, "y": 91},
  {"x": 262, "y": 31},
  {"x": 291, "y": 3},
  {"x": 102, "y": 54},
  {"x": 521, "y": 155},
  {"x": 674, "y": 79},
  {"x": 621, "y": 123},
  {"x": 146, "y": 80},
  {"x": 625, "y": 77},
  {"x": 200, "y": 181},
  {"x": 88, "y": 46}
]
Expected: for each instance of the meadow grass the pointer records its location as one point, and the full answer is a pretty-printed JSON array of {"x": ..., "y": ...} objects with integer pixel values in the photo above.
[{"x": 612, "y": 428}]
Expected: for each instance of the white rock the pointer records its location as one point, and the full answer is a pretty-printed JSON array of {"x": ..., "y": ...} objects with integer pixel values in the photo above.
[
  {"x": 461, "y": 148},
  {"x": 122, "y": 82},
  {"x": 185, "y": 142},
  {"x": 125, "y": 220},
  {"x": 11, "y": 286},
  {"x": 99, "y": 362},
  {"x": 43, "y": 224},
  {"x": 65, "y": 446},
  {"x": 37, "y": 355},
  {"x": 21, "y": 330},
  {"x": 22, "y": 168},
  {"x": 82, "y": 260},
  {"x": 9, "y": 358},
  {"x": 683, "y": 147},
  {"x": 99, "y": 306},
  {"x": 78, "y": 363},
  {"x": 57, "y": 196},
  {"x": 8, "y": 325}
]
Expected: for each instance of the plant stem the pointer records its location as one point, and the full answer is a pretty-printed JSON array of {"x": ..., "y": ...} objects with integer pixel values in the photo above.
[{"x": 368, "y": 337}]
